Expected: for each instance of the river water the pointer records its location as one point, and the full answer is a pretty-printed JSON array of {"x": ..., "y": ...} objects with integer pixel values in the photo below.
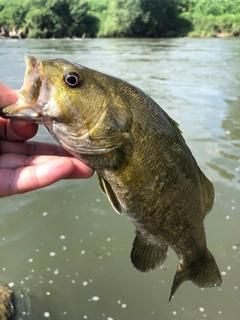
[{"x": 63, "y": 248}]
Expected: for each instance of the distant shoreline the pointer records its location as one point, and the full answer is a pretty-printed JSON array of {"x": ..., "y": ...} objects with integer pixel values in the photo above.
[
  {"x": 45, "y": 19},
  {"x": 217, "y": 35}
]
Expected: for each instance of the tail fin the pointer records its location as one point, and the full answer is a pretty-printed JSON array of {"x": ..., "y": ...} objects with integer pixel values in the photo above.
[{"x": 204, "y": 274}]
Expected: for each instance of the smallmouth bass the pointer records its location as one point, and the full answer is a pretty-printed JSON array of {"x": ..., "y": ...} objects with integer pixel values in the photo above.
[{"x": 143, "y": 164}]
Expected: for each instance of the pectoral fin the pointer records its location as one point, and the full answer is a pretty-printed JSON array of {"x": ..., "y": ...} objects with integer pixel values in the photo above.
[
  {"x": 107, "y": 189},
  {"x": 147, "y": 256}
]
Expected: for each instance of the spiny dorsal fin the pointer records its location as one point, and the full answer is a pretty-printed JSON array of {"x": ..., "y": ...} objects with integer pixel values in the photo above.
[
  {"x": 107, "y": 189},
  {"x": 175, "y": 125},
  {"x": 147, "y": 256}
]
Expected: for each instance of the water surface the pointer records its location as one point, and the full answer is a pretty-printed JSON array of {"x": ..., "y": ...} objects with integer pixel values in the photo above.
[{"x": 64, "y": 249}]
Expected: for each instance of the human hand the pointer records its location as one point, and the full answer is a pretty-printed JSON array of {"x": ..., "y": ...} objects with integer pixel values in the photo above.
[{"x": 28, "y": 165}]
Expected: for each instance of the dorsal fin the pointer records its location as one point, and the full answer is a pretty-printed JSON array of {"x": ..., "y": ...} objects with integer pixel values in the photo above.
[
  {"x": 107, "y": 189},
  {"x": 175, "y": 125},
  {"x": 147, "y": 256}
]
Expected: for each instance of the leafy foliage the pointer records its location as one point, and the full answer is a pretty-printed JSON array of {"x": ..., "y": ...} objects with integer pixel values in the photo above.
[
  {"x": 140, "y": 18},
  {"x": 212, "y": 17},
  {"x": 119, "y": 18},
  {"x": 49, "y": 18},
  {"x": 217, "y": 7}
]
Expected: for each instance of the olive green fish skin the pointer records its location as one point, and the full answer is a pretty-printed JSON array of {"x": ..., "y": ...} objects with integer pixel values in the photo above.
[{"x": 143, "y": 163}]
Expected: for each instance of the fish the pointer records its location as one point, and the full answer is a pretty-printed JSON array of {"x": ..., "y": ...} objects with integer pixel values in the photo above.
[{"x": 142, "y": 161}]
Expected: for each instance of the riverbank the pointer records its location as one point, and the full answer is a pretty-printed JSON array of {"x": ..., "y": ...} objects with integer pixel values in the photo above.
[
  {"x": 117, "y": 18},
  {"x": 190, "y": 35}
]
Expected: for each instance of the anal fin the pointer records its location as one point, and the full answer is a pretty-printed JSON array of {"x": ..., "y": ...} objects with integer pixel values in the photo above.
[
  {"x": 107, "y": 189},
  {"x": 147, "y": 256}
]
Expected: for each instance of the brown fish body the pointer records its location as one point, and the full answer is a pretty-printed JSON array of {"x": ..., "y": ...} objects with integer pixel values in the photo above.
[
  {"x": 154, "y": 172},
  {"x": 160, "y": 187},
  {"x": 143, "y": 163}
]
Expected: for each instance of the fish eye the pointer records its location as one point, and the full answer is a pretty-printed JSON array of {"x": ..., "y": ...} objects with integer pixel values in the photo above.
[{"x": 73, "y": 79}]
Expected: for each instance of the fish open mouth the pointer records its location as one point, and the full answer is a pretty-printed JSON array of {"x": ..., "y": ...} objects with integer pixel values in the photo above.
[{"x": 32, "y": 99}]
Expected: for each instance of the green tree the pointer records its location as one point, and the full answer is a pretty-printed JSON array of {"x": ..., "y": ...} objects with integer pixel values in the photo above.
[
  {"x": 132, "y": 18},
  {"x": 40, "y": 20},
  {"x": 120, "y": 17},
  {"x": 56, "y": 18},
  {"x": 187, "y": 5},
  {"x": 211, "y": 17},
  {"x": 12, "y": 14},
  {"x": 142, "y": 18},
  {"x": 217, "y": 7},
  {"x": 49, "y": 18},
  {"x": 156, "y": 18},
  {"x": 82, "y": 21}
]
